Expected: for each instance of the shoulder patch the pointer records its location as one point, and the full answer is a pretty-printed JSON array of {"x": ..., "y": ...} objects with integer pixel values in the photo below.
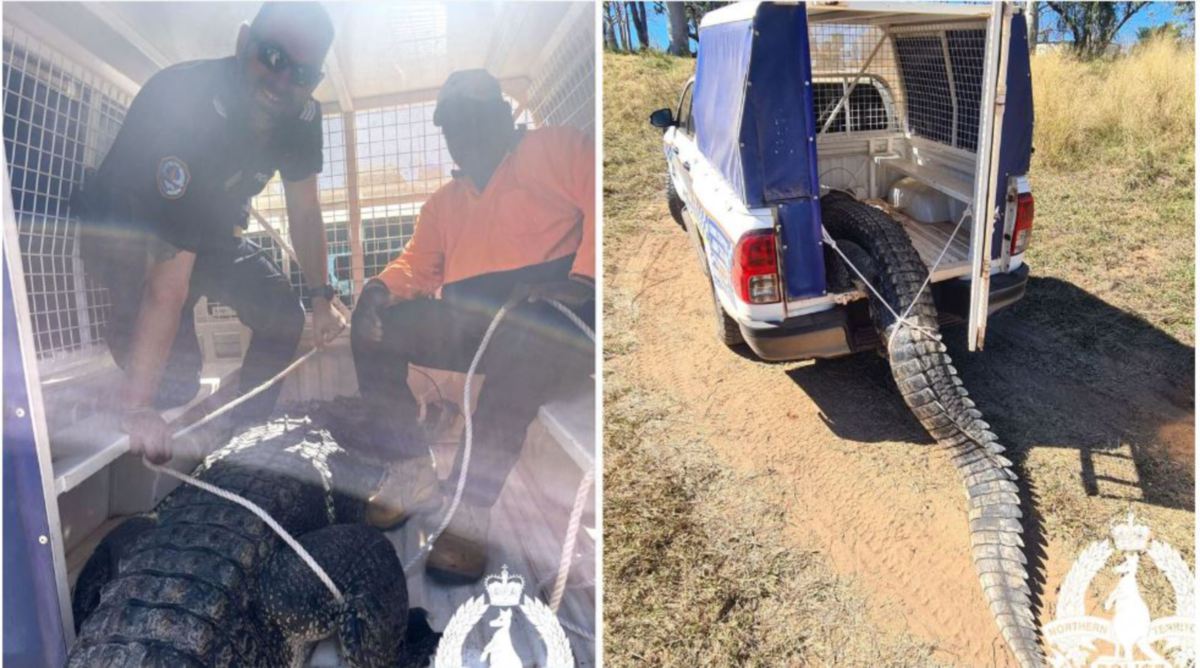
[{"x": 173, "y": 177}]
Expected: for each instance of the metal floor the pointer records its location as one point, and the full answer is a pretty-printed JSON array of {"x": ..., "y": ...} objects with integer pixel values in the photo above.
[
  {"x": 528, "y": 526},
  {"x": 930, "y": 238}
]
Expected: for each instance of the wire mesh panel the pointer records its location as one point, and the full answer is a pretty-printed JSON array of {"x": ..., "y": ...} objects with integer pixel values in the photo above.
[
  {"x": 400, "y": 160},
  {"x": 563, "y": 88},
  {"x": 59, "y": 118},
  {"x": 843, "y": 54},
  {"x": 271, "y": 205},
  {"x": 931, "y": 111},
  {"x": 942, "y": 71},
  {"x": 867, "y": 108},
  {"x": 966, "y": 67},
  {"x": 929, "y": 77}
]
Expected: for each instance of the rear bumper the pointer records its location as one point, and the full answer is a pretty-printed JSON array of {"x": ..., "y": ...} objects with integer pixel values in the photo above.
[
  {"x": 843, "y": 330},
  {"x": 953, "y": 298}
]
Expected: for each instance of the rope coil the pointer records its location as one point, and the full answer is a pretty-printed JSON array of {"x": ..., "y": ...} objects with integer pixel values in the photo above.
[{"x": 468, "y": 428}]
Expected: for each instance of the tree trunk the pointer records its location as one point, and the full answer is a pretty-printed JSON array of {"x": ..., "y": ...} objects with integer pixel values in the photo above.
[
  {"x": 637, "y": 12},
  {"x": 625, "y": 29},
  {"x": 610, "y": 34},
  {"x": 1031, "y": 20},
  {"x": 619, "y": 24},
  {"x": 677, "y": 18}
]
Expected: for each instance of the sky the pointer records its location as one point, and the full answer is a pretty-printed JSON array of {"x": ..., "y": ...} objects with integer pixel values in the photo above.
[{"x": 1156, "y": 14}]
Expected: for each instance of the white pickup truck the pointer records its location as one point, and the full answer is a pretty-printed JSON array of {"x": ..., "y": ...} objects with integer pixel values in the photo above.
[
  {"x": 853, "y": 176},
  {"x": 923, "y": 110}
]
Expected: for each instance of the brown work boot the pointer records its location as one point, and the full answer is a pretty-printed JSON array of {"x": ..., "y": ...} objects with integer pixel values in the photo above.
[
  {"x": 460, "y": 553},
  {"x": 409, "y": 487}
]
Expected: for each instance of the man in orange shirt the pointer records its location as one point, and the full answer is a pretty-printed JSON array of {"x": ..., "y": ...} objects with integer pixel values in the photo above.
[{"x": 517, "y": 221}]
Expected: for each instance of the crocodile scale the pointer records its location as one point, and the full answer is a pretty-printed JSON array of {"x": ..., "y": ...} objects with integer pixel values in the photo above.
[
  {"x": 934, "y": 392},
  {"x": 206, "y": 583}
]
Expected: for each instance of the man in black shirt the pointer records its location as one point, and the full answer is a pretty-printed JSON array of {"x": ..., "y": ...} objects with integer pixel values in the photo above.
[{"x": 163, "y": 216}]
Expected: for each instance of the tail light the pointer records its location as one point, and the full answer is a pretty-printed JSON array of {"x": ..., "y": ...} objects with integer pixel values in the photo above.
[
  {"x": 756, "y": 269},
  {"x": 1024, "y": 225}
]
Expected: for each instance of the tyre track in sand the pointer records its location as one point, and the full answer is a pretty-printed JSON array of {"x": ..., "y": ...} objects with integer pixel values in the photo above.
[{"x": 867, "y": 486}]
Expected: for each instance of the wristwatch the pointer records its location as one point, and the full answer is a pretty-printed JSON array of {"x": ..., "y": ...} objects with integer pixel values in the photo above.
[{"x": 326, "y": 292}]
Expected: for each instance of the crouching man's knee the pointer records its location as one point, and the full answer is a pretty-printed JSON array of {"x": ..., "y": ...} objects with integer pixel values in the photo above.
[
  {"x": 285, "y": 320},
  {"x": 366, "y": 324}
]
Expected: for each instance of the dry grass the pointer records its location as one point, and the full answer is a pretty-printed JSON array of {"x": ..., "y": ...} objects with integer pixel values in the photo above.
[
  {"x": 1139, "y": 106},
  {"x": 633, "y": 162},
  {"x": 697, "y": 571},
  {"x": 693, "y": 559},
  {"x": 1113, "y": 178}
]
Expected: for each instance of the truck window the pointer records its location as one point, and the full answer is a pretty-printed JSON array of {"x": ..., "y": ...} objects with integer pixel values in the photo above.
[
  {"x": 684, "y": 116},
  {"x": 866, "y": 109}
]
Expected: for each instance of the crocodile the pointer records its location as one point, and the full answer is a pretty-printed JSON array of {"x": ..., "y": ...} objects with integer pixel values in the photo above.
[
  {"x": 201, "y": 581},
  {"x": 931, "y": 388}
]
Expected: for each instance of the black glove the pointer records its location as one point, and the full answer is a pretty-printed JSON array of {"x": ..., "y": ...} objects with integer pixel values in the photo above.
[{"x": 374, "y": 298}]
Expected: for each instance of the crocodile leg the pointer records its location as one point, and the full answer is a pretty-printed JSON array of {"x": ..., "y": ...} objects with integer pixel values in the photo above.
[
  {"x": 933, "y": 391},
  {"x": 363, "y": 564}
]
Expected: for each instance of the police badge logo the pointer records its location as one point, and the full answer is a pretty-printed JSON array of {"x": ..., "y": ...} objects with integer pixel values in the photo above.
[
  {"x": 503, "y": 593},
  {"x": 173, "y": 177},
  {"x": 1130, "y": 638}
]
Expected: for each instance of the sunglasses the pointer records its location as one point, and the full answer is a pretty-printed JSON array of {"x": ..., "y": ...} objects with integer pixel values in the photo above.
[{"x": 274, "y": 58}]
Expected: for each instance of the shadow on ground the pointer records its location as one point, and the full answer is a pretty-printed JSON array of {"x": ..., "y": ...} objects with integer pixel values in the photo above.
[{"x": 1061, "y": 369}]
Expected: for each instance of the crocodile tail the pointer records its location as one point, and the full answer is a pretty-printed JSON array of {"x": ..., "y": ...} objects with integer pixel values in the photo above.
[{"x": 934, "y": 392}]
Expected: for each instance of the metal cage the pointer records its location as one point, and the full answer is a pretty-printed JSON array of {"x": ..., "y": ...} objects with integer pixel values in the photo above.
[
  {"x": 923, "y": 79},
  {"x": 381, "y": 161},
  {"x": 60, "y": 118}
]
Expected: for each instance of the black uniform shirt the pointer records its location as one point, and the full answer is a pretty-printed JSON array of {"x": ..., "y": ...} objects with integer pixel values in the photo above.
[{"x": 185, "y": 165}]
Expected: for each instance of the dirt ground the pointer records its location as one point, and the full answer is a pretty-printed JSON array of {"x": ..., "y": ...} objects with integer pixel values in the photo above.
[{"x": 1099, "y": 420}]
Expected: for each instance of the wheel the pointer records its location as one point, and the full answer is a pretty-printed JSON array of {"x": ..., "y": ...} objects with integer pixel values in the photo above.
[
  {"x": 727, "y": 328},
  {"x": 675, "y": 203}
]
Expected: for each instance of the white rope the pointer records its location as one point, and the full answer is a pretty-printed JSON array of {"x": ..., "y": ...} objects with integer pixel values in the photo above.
[
  {"x": 901, "y": 320},
  {"x": 576, "y": 513},
  {"x": 230, "y": 496},
  {"x": 262, "y": 515},
  {"x": 568, "y": 548},
  {"x": 245, "y": 397},
  {"x": 929, "y": 276},
  {"x": 469, "y": 429}
]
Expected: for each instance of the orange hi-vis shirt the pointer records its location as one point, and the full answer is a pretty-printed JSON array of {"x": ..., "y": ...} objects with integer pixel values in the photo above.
[{"x": 538, "y": 206}]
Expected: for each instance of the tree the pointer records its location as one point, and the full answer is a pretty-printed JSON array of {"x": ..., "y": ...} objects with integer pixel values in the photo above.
[
  {"x": 637, "y": 16},
  {"x": 1032, "y": 12},
  {"x": 1171, "y": 31},
  {"x": 695, "y": 12},
  {"x": 616, "y": 27},
  {"x": 677, "y": 18},
  {"x": 610, "y": 28},
  {"x": 1094, "y": 25},
  {"x": 625, "y": 35}
]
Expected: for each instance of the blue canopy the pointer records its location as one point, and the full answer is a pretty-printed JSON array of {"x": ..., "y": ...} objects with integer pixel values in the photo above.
[{"x": 762, "y": 138}]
